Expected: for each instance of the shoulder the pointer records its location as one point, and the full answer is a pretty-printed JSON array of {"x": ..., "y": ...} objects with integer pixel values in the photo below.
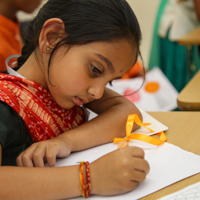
[
  {"x": 9, "y": 123},
  {"x": 14, "y": 136},
  {"x": 11, "y": 126}
]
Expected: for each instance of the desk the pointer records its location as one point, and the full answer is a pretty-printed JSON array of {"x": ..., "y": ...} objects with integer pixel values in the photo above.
[
  {"x": 192, "y": 38},
  {"x": 184, "y": 131},
  {"x": 189, "y": 97}
]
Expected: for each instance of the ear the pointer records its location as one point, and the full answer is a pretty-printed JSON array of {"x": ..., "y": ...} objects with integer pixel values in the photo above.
[{"x": 52, "y": 32}]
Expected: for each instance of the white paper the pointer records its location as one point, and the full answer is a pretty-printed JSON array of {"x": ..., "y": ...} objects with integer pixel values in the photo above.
[
  {"x": 164, "y": 99},
  {"x": 191, "y": 192},
  {"x": 168, "y": 164},
  {"x": 155, "y": 125}
]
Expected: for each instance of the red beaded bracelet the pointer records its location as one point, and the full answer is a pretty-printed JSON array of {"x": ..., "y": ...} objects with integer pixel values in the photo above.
[
  {"x": 88, "y": 180},
  {"x": 85, "y": 183},
  {"x": 82, "y": 178}
]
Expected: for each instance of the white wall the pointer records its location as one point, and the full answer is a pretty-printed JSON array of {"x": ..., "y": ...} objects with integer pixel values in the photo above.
[{"x": 145, "y": 10}]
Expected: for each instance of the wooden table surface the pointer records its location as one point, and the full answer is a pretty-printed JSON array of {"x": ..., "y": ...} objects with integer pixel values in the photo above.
[
  {"x": 189, "y": 97},
  {"x": 184, "y": 132},
  {"x": 192, "y": 38}
]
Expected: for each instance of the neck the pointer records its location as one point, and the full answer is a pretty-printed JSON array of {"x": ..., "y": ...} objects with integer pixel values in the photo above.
[
  {"x": 8, "y": 10},
  {"x": 33, "y": 70}
]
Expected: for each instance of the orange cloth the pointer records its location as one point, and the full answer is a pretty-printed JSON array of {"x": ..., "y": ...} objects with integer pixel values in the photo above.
[
  {"x": 133, "y": 71},
  {"x": 10, "y": 40}
]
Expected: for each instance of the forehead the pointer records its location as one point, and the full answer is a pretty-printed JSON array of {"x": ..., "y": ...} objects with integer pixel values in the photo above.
[{"x": 120, "y": 55}]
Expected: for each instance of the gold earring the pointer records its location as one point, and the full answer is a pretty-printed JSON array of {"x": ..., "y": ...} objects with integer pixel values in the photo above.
[{"x": 48, "y": 48}]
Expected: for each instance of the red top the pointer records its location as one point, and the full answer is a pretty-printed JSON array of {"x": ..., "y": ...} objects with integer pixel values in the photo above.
[
  {"x": 10, "y": 40},
  {"x": 43, "y": 117}
]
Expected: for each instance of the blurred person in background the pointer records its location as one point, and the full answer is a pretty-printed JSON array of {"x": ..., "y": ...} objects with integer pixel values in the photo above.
[
  {"x": 10, "y": 37},
  {"x": 175, "y": 18}
]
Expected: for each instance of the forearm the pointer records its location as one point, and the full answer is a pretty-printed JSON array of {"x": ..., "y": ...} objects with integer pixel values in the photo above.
[
  {"x": 39, "y": 183},
  {"x": 110, "y": 175},
  {"x": 102, "y": 129}
]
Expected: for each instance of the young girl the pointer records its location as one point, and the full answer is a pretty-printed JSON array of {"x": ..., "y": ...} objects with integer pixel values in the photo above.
[{"x": 73, "y": 49}]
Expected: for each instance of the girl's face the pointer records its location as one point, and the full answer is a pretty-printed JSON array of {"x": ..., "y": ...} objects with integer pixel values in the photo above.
[{"x": 80, "y": 75}]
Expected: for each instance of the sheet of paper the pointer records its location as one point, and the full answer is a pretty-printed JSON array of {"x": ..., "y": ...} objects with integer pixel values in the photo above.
[
  {"x": 156, "y": 94},
  {"x": 191, "y": 192},
  {"x": 168, "y": 165},
  {"x": 155, "y": 125}
]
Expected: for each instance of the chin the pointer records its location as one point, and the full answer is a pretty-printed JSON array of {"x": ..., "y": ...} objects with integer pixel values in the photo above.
[{"x": 67, "y": 106}]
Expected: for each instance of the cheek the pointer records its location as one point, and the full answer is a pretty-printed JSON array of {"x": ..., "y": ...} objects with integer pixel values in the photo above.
[
  {"x": 69, "y": 86},
  {"x": 77, "y": 79},
  {"x": 70, "y": 76}
]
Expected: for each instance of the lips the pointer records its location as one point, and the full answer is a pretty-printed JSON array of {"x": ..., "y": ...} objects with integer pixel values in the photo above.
[{"x": 80, "y": 101}]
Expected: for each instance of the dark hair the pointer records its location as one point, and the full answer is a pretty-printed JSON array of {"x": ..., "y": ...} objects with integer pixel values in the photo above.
[{"x": 85, "y": 21}]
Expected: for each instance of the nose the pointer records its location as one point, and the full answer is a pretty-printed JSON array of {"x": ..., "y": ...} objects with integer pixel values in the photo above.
[{"x": 96, "y": 91}]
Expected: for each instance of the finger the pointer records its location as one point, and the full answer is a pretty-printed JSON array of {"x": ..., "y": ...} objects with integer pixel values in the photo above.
[
  {"x": 38, "y": 156},
  {"x": 51, "y": 153},
  {"x": 138, "y": 176},
  {"x": 19, "y": 160},
  {"x": 134, "y": 184},
  {"x": 141, "y": 165},
  {"x": 131, "y": 185},
  {"x": 26, "y": 159},
  {"x": 137, "y": 152}
]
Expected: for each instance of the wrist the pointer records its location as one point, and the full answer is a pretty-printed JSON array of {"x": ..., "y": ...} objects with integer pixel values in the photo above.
[
  {"x": 72, "y": 139},
  {"x": 67, "y": 141},
  {"x": 94, "y": 178}
]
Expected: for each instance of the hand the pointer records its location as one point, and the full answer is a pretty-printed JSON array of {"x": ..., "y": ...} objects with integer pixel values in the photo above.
[
  {"x": 118, "y": 172},
  {"x": 48, "y": 150}
]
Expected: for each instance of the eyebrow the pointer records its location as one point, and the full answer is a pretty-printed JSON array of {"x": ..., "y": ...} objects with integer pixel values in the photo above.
[{"x": 108, "y": 63}]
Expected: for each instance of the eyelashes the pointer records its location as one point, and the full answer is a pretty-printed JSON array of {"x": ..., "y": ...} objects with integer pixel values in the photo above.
[{"x": 96, "y": 71}]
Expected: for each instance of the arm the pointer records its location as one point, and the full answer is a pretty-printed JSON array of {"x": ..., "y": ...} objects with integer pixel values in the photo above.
[
  {"x": 110, "y": 123},
  {"x": 197, "y": 8},
  {"x": 39, "y": 183},
  {"x": 115, "y": 173}
]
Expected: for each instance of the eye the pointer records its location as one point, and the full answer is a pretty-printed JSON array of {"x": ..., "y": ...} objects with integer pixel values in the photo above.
[
  {"x": 110, "y": 82},
  {"x": 95, "y": 70}
]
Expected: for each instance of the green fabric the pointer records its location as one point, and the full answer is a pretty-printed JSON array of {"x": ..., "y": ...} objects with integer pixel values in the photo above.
[
  {"x": 171, "y": 57},
  {"x": 14, "y": 137},
  {"x": 154, "y": 55}
]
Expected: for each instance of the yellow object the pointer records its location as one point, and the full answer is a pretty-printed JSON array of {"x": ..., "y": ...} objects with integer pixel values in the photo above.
[{"x": 137, "y": 136}]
